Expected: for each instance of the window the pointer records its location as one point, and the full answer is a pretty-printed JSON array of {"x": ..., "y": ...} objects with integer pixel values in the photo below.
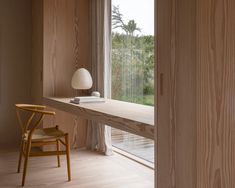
[{"x": 133, "y": 66}]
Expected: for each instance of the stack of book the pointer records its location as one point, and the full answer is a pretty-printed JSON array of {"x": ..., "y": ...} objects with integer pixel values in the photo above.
[{"x": 87, "y": 99}]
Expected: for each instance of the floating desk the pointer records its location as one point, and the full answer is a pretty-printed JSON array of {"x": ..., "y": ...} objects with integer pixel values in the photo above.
[{"x": 134, "y": 118}]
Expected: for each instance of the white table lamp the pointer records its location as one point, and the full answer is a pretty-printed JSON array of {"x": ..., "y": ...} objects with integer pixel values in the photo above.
[{"x": 81, "y": 79}]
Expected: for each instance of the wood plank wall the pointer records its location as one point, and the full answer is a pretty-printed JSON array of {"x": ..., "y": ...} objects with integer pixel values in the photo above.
[
  {"x": 37, "y": 52},
  {"x": 60, "y": 46},
  {"x": 15, "y": 66},
  {"x": 215, "y": 93},
  {"x": 66, "y": 48},
  {"x": 176, "y": 125},
  {"x": 195, "y": 85}
]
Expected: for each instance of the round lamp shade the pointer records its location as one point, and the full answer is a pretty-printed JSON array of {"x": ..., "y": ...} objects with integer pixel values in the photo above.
[{"x": 81, "y": 79}]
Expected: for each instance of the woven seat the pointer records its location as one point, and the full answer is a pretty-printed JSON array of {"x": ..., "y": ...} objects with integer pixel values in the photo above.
[
  {"x": 45, "y": 134},
  {"x": 34, "y": 137}
]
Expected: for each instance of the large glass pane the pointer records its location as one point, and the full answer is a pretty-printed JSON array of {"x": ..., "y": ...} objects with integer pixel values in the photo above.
[
  {"x": 133, "y": 65},
  {"x": 134, "y": 144}
]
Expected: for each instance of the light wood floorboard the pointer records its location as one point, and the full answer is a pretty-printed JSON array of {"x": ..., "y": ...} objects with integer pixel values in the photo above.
[{"x": 89, "y": 170}]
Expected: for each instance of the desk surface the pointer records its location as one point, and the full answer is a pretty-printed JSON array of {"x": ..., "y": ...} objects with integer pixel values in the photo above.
[{"x": 130, "y": 117}]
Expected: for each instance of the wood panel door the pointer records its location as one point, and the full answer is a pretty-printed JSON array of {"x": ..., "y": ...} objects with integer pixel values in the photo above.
[
  {"x": 195, "y": 94},
  {"x": 175, "y": 134}
]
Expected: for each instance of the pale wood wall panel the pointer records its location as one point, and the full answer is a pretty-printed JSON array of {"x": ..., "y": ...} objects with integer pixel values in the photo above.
[
  {"x": 183, "y": 84},
  {"x": 37, "y": 52},
  {"x": 215, "y": 93},
  {"x": 66, "y": 48},
  {"x": 74, "y": 125},
  {"x": 195, "y": 126},
  {"x": 59, "y": 47},
  {"x": 164, "y": 146},
  {"x": 176, "y": 125},
  {"x": 15, "y": 63},
  {"x": 66, "y": 44}
]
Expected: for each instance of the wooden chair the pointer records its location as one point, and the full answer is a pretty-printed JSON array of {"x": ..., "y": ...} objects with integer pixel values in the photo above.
[{"x": 33, "y": 136}]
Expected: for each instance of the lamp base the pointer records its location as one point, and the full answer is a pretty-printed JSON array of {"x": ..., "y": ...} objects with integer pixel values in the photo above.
[{"x": 95, "y": 93}]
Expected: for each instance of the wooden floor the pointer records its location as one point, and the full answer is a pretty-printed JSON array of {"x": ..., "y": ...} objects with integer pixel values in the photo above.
[
  {"x": 89, "y": 170},
  {"x": 134, "y": 144}
]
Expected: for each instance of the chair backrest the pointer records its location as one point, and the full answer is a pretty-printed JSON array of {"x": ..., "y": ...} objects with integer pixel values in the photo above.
[{"x": 36, "y": 112}]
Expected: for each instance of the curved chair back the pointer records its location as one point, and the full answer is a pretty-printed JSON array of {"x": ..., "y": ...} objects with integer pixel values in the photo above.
[{"x": 33, "y": 110}]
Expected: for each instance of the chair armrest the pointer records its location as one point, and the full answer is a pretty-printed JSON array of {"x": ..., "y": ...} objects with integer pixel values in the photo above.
[
  {"x": 34, "y": 109},
  {"x": 46, "y": 112},
  {"x": 39, "y": 107}
]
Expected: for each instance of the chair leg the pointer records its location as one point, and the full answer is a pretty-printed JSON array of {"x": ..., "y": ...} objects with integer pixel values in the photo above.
[
  {"x": 58, "y": 149},
  {"x": 68, "y": 155},
  {"x": 20, "y": 155},
  {"x": 26, "y": 161}
]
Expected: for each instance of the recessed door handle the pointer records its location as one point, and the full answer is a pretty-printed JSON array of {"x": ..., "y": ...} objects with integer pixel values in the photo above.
[{"x": 161, "y": 84}]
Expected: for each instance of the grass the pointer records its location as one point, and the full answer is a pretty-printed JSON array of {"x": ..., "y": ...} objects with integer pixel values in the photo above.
[
  {"x": 145, "y": 100},
  {"x": 148, "y": 100}
]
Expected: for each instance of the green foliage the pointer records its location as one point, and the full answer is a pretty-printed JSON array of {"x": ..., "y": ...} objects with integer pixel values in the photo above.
[
  {"x": 132, "y": 62},
  {"x": 148, "y": 100},
  {"x": 117, "y": 22}
]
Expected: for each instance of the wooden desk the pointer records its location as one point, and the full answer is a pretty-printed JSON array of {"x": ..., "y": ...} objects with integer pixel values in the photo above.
[{"x": 134, "y": 118}]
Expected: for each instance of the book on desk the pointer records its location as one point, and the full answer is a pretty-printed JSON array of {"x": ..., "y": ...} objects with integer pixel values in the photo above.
[{"x": 86, "y": 99}]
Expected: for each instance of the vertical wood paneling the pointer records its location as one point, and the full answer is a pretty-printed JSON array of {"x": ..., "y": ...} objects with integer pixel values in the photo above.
[
  {"x": 66, "y": 44},
  {"x": 215, "y": 93},
  {"x": 66, "y": 48},
  {"x": 15, "y": 65},
  {"x": 59, "y": 47},
  {"x": 184, "y": 87},
  {"x": 176, "y": 125},
  {"x": 164, "y": 165},
  {"x": 195, "y": 111},
  {"x": 37, "y": 51},
  {"x": 74, "y": 125}
]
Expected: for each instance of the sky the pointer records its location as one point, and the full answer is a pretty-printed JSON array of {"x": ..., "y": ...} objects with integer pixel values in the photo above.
[{"x": 142, "y": 11}]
